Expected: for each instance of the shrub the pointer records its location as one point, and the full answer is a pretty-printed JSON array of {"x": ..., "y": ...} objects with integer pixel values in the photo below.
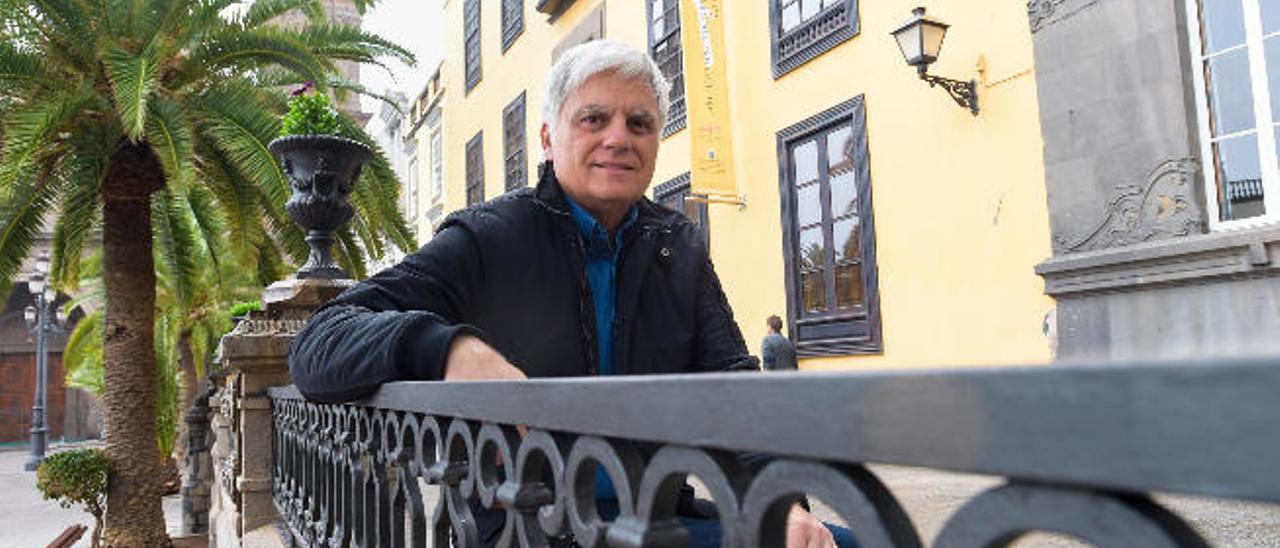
[
  {"x": 310, "y": 113},
  {"x": 76, "y": 477},
  {"x": 244, "y": 308}
]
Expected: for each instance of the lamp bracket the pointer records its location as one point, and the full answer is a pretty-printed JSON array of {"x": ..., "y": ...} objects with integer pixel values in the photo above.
[{"x": 965, "y": 94}]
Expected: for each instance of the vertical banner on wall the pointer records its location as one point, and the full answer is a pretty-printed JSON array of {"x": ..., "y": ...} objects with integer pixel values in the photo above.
[{"x": 707, "y": 97}]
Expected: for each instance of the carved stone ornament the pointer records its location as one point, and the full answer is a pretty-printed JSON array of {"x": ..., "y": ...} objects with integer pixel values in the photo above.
[
  {"x": 1046, "y": 12},
  {"x": 269, "y": 327},
  {"x": 322, "y": 169},
  {"x": 1163, "y": 207}
]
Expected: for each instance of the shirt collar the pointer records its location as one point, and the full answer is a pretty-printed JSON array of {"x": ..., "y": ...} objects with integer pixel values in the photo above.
[{"x": 591, "y": 229}]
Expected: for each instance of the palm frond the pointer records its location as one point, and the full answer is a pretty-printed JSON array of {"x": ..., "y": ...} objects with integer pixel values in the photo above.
[
  {"x": 241, "y": 51},
  {"x": 29, "y": 133},
  {"x": 209, "y": 220},
  {"x": 350, "y": 39},
  {"x": 58, "y": 23},
  {"x": 378, "y": 192},
  {"x": 82, "y": 356},
  {"x": 78, "y": 216},
  {"x": 171, "y": 138},
  {"x": 263, "y": 11},
  {"x": 132, "y": 77},
  {"x": 177, "y": 244},
  {"x": 19, "y": 67},
  {"x": 349, "y": 255},
  {"x": 21, "y": 220},
  {"x": 235, "y": 197},
  {"x": 241, "y": 132}
]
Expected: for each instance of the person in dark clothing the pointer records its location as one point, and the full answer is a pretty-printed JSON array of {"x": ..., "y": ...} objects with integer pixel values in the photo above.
[
  {"x": 776, "y": 351},
  {"x": 581, "y": 275}
]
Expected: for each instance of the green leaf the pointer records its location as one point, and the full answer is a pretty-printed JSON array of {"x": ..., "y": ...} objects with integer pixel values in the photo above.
[
  {"x": 261, "y": 12},
  {"x": 29, "y": 134},
  {"x": 78, "y": 216},
  {"x": 19, "y": 67},
  {"x": 132, "y": 77},
  {"x": 21, "y": 220},
  {"x": 241, "y": 51},
  {"x": 170, "y": 136}
]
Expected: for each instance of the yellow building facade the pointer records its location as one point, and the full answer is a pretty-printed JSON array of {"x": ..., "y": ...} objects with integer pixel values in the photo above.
[{"x": 950, "y": 207}]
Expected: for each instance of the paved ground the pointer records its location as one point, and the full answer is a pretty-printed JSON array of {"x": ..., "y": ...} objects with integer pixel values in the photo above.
[
  {"x": 929, "y": 497},
  {"x": 29, "y": 521}
]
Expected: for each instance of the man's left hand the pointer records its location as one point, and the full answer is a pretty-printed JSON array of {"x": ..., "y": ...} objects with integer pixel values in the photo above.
[{"x": 805, "y": 531}]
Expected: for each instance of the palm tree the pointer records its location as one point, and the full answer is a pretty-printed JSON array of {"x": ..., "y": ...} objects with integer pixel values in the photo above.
[{"x": 105, "y": 103}]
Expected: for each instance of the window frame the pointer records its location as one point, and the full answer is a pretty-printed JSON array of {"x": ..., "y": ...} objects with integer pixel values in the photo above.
[
  {"x": 677, "y": 116},
  {"x": 474, "y": 156},
  {"x": 472, "y": 65},
  {"x": 1265, "y": 126},
  {"x": 436, "y": 145},
  {"x": 814, "y": 47},
  {"x": 512, "y": 27},
  {"x": 680, "y": 188},
  {"x": 519, "y": 157},
  {"x": 411, "y": 207},
  {"x": 839, "y": 332}
]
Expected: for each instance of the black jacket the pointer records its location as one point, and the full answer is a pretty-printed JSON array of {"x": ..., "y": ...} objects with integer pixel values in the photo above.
[{"x": 511, "y": 270}]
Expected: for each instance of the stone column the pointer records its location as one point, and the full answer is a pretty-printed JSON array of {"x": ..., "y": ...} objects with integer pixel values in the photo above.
[{"x": 254, "y": 358}]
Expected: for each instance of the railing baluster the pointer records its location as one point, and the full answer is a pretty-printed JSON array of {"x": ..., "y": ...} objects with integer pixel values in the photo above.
[{"x": 348, "y": 475}]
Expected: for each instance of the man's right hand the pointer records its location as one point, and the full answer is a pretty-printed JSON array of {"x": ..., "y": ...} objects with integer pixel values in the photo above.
[{"x": 470, "y": 359}]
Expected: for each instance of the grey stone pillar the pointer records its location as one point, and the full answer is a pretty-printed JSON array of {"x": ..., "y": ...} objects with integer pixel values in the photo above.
[
  {"x": 197, "y": 467},
  {"x": 1134, "y": 273},
  {"x": 254, "y": 358}
]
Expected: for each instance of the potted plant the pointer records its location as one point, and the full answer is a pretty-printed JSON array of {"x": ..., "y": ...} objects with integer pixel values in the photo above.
[
  {"x": 75, "y": 477},
  {"x": 322, "y": 166}
]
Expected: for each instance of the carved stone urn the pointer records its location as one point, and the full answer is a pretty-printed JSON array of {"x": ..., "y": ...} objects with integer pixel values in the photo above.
[{"x": 322, "y": 170}]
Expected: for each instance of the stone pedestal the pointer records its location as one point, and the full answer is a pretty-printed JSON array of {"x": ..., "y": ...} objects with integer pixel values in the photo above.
[{"x": 254, "y": 358}]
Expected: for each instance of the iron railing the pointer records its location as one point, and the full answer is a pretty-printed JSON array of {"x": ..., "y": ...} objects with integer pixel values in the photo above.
[{"x": 1080, "y": 448}]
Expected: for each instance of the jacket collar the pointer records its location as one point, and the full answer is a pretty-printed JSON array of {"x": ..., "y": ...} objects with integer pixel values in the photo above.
[{"x": 552, "y": 196}]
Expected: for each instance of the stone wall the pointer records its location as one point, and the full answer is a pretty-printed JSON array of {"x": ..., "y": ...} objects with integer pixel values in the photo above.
[{"x": 1134, "y": 272}]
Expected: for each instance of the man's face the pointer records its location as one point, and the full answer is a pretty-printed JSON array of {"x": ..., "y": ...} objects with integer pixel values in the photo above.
[{"x": 606, "y": 143}]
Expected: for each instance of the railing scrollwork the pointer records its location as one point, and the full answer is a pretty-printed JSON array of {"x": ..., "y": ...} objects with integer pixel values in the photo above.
[{"x": 352, "y": 474}]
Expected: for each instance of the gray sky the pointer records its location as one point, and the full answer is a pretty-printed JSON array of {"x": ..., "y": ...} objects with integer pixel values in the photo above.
[{"x": 414, "y": 24}]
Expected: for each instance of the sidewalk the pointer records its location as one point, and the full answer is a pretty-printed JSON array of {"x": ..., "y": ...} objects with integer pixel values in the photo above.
[{"x": 29, "y": 521}]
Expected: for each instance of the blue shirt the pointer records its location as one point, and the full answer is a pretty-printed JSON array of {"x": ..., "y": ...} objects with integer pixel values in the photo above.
[{"x": 602, "y": 273}]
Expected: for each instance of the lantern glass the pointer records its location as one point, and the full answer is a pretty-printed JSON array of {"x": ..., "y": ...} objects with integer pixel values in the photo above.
[
  {"x": 49, "y": 294},
  {"x": 36, "y": 285},
  {"x": 910, "y": 44},
  {"x": 29, "y": 314},
  {"x": 920, "y": 39},
  {"x": 42, "y": 264},
  {"x": 62, "y": 316},
  {"x": 931, "y": 35}
]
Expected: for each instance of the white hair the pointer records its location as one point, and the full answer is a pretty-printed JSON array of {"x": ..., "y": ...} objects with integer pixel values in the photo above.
[{"x": 581, "y": 62}]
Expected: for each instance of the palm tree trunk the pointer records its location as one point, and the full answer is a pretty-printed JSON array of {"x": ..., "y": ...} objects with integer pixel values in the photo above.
[
  {"x": 187, "y": 367},
  {"x": 134, "y": 515}
]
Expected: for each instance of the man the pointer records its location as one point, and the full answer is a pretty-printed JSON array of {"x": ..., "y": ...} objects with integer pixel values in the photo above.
[
  {"x": 581, "y": 275},
  {"x": 776, "y": 351}
]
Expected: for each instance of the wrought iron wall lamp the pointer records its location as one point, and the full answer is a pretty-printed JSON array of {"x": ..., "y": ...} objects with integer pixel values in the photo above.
[{"x": 920, "y": 40}]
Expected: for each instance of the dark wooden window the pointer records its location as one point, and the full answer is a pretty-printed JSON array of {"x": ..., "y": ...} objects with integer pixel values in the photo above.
[
  {"x": 513, "y": 144},
  {"x": 471, "y": 42},
  {"x": 672, "y": 194},
  {"x": 664, "y": 46},
  {"x": 553, "y": 8},
  {"x": 804, "y": 29},
  {"x": 512, "y": 22},
  {"x": 833, "y": 301},
  {"x": 475, "y": 169}
]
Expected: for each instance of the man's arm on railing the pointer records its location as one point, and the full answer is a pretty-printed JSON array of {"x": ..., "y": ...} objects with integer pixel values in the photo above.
[{"x": 397, "y": 325}]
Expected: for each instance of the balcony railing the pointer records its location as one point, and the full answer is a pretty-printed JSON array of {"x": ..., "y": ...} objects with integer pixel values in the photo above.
[{"x": 1080, "y": 448}]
